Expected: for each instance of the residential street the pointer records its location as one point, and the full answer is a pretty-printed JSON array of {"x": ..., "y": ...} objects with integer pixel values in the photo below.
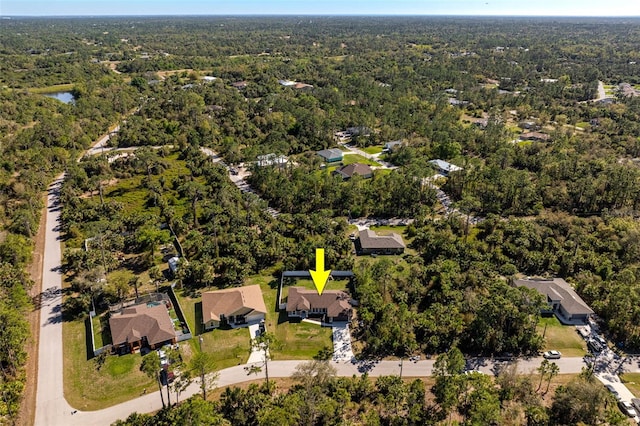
[{"x": 52, "y": 409}]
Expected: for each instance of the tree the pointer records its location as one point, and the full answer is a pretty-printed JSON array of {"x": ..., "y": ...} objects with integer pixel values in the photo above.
[
  {"x": 551, "y": 373},
  {"x": 203, "y": 365},
  {"x": 182, "y": 383},
  {"x": 266, "y": 342},
  {"x": 543, "y": 370},
  {"x": 314, "y": 373},
  {"x": 151, "y": 367}
]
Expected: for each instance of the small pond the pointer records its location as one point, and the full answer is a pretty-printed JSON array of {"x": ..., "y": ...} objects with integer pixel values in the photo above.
[{"x": 66, "y": 97}]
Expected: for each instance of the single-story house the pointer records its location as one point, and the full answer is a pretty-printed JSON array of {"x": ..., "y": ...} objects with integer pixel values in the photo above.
[
  {"x": 390, "y": 146},
  {"x": 331, "y": 155},
  {"x": 348, "y": 171},
  {"x": 272, "y": 160},
  {"x": 535, "y": 136},
  {"x": 529, "y": 125},
  {"x": 141, "y": 325},
  {"x": 233, "y": 306},
  {"x": 563, "y": 301},
  {"x": 240, "y": 84},
  {"x": 173, "y": 265},
  {"x": 371, "y": 243},
  {"x": 331, "y": 305},
  {"x": 444, "y": 167}
]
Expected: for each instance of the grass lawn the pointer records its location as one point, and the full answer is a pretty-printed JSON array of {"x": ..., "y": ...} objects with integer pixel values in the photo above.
[
  {"x": 52, "y": 89},
  {"x": 373, "y": 149},
  {"x": 101, "y": 332},
  {"x": 563, "y": 338},
  {"x": 357, "y": 158},
  {"x": 86, "y": 388},
  {"x": 583, "y": 125},
  {"x": 632, "y": 382}
]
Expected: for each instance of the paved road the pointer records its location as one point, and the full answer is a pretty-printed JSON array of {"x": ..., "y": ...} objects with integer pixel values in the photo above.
[{"x": 50, "y": 400}]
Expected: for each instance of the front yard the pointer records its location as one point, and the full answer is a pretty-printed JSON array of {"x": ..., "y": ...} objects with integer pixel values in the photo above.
[
  {"x": 86, "y": 387},
  {"x": 298, "y": 340},
  {"x": 563, "y": 338}
]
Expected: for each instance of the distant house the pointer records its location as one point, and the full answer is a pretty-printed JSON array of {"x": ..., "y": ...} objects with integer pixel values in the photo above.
[
  {"x": 287, "y": 83},
  {"x": 332, "y": 155},
  {"x": 209, "y": 78},
  {"x": 147, "y": 325},
  {"x": 529, "y": 125},
  {"x": 330, "y": 306},
  {"x": 563, "y": 301},
  {"x": 240, "y": 85},
  {"x": 232, "y": 306},
  {"x": 371, "y": 243},
  {"x": 359, "y": 131},
  {"x": 445, "y": 167},
  {"x": 457, "y": 102},
  {"x": 390, "y": 146},
  {"x": 271, "y": 160},
  {"x": 349, "y": 171},
  {"x": 173, "y": 265},
  {"x": 535, "y": 136}
]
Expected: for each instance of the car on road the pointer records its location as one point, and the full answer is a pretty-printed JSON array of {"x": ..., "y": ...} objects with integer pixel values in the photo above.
[
  {"x": 627, "y": 408},
  {"x": 614, "y": 392},
  {"x": 552, "y": 355}
]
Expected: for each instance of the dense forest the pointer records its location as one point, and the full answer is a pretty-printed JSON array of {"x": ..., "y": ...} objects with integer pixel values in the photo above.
[{"x": 458, "y": 89}]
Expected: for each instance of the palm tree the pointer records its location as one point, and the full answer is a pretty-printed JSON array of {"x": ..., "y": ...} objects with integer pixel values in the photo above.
[
  {"x": 151, "y": 367},
  {"x": 551, "y": 373}
]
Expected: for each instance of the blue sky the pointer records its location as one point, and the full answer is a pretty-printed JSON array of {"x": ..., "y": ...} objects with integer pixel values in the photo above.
[{"x": 322, "y": 7}]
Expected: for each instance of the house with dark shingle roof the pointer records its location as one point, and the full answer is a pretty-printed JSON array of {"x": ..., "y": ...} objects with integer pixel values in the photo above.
[
  {"x": 349, "y": 171},
  {"x": 563, "y": 301},
  {"x": 371, "y": 243},
  {"x": 142, "y": 325},
  {"x": 535, "y": 136},
  {"x": 331, "y": 155},
  {"x": 331, "y": 305},
  {"x": 233, "y": 306}
]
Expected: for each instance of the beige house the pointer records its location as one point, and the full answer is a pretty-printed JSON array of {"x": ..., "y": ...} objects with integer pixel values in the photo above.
[
  {"x": 232, "y": 306},
  {"x": 331, "y": 305},
  {"x": 142, "y": 325}
]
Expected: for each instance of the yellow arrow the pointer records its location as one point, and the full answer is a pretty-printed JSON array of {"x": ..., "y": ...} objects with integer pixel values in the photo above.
[{"x": 320, "y": 276}]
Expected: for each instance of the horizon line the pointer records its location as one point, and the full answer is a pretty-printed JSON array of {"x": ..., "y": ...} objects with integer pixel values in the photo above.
[{"x": 244, "y": 15}]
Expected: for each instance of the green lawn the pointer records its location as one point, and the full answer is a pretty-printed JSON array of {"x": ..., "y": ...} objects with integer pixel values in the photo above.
[
  {"x": 86, "y": 388},
  {"x": 632, "y": 381},
  {"x": 356, "y": 158},
  {"x": 101, "y": 332},
  {"x": 563, "y": 338},
  {"x": 583, "y": 125},
  {"x": 52, "y": 89},
  {"x": 373, "y": 149}
]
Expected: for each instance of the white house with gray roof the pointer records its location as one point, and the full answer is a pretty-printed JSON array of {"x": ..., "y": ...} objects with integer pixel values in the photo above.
[{"x": 563, "y": 301}]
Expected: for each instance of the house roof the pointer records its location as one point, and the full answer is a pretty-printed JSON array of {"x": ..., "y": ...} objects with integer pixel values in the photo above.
[
  {"x": 370, "y": 240},
  {"x": 558, "y": 290},
  {"x": 354, "y": 169},
  {"x": 232, "y": 301},
  {"x": 336, "y": 302},
  {"x": 444, "y": 165},
  {"x": 392, "y": 144},
  {"x": 328, "y": 154},
  {"x": 138, "y": 321},
  {"x": 535, "y": 135}
]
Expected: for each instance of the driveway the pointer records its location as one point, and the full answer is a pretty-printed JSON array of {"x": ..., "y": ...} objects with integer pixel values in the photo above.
[
  {"x": 257, "y": 354},
  {"x": 341, "y": 342}
]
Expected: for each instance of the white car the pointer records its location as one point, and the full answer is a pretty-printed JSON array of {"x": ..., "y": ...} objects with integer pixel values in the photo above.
[{"x": 552, "y": 355}]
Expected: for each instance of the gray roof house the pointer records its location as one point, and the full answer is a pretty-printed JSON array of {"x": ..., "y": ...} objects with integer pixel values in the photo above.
[
  {"x": 563, "y": 301},
  {"x": 390, "y": 146},
  {"x": 445, "y": 167},
  {"x": 371, "y": 243},
  {"x": 350, "y": 170},
  {"x": 331, "y": 155}
]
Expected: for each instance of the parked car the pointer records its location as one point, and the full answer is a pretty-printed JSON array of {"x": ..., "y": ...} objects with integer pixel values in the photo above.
[
  {"x": 627, "y": 408},
  {"x": 614, "y": 392},
  {"x": 594, "y": 346},
  {"x": 552, "y": 354}
]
